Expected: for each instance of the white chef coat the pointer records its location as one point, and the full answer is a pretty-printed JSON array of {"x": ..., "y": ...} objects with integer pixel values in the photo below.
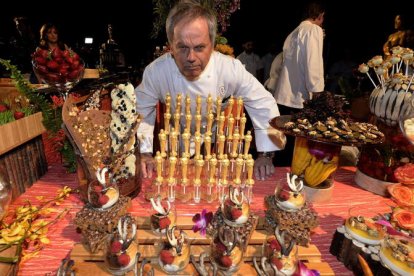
[
  {"x": 223, "y": 77},
  {"x": 302, "y": 70}
]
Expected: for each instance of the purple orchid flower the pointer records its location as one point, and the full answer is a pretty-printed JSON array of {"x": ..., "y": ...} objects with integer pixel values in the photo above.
[
  {"x": 202, "y": 221},
  {"x": 304, "y": 271},
  {"x": 390, "y": 229}
]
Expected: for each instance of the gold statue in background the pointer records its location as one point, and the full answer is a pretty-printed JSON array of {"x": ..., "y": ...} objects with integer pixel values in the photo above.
[{"x": 398, "y": 38}]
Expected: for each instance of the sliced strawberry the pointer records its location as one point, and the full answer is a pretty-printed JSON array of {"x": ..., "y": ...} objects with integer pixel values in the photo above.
[
  {"x": 124, "y": 259},
  {"x": 103, "y": 199},
  {"x": 236, "y": 213},
  {"x": 274, "y": 245},
  {"x": 277, "y": 262},
  {"x": 226, "y": 261},
  {"x": 116, "y": 247},
  {"x": 284, "y": 195},
  {"x": 166, "y": 257},
  {"x": 164, "y": 222}
]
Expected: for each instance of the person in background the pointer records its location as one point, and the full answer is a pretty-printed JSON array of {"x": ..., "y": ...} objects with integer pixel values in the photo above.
[
  {"x": 267, "y": 60},
  {"x": 274, "y": 74},
  {"x": 22, "y": 45},
  {"x": 302, "y": 73},
  {"x": 49, "y": 38},
  {"x": 397, "y": 38},
  {"x": 193, "y": 68},
  {"x": 251, "y": 61}
]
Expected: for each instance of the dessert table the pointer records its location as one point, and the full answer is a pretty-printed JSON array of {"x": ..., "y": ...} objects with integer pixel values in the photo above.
[{"x": 63, "y": 234}]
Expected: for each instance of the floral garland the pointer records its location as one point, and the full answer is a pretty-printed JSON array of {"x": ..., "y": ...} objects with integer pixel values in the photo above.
[{"x": 223, "y": 9}]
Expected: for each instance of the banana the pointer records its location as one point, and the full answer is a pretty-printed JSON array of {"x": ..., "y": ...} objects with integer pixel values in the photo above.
[
  {"x": 319, "y": 172},
  {"x": 301, "y": 160},
  {"x": 312, "y": 172}
]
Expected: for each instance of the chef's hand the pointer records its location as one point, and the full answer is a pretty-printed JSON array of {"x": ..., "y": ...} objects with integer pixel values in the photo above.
[
  {"x": 147, "y": 165},
  {"x": 263, "y": 166}
]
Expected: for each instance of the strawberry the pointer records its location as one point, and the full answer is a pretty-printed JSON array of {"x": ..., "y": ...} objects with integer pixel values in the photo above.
[
  {"x": 42, "y": 69},
  {"x": 274, "y": 245},
  {"x": 40, "y": 60},
  {"x": 236, "y": 213},
  {"x": 284, "y": 195},
  {"x": 52, "y": 65},
  {"x": 75, "y": 64},
  {"x": 164, "y": 222},
  {"x": 3, "y": 108},
  {"x": 103, "y": 199},
  {"x": 116, "y": 247},
  {"x": 18, "y": 115},
  {"x": 226, "y": 261},
  {"x": 166, "y": 257},
  {"x": 98, "y": 188},
  {"x": 124, "y": 259},
  {"x": 276, "y": 262},
  {"x": 73, "y": 75},
  {"x": 56, "y": 53}
]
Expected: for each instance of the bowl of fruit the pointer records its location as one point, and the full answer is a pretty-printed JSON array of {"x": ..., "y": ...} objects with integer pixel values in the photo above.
[{"x": 62, "y": 69}]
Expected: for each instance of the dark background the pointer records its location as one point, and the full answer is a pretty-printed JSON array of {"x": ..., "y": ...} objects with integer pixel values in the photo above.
[{"x": 362, "y": 26}]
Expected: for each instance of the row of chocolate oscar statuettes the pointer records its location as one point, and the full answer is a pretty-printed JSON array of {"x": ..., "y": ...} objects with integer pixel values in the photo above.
[{"x": 225, "y": 159}]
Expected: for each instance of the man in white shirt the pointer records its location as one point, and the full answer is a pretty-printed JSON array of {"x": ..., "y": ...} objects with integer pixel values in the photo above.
[
  {"x": 193, "y": 68},
  {"x": 302, "y": 70},
  {"x": 301, "y": 76}
]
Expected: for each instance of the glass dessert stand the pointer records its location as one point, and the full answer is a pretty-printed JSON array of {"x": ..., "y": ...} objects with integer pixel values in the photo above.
[
  {"x": 63, "y": 78},
  {"x": 317, "y": 150},
  {"x": 406, "y": 123}
]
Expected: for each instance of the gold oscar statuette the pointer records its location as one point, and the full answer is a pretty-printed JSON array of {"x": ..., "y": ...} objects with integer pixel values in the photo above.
[
  {"x": 243, "y": 121},
  {"x": 163, "y": 142},
  {"x": 209, "y": 103},
  {"x": 239, "y": 167},
  {"x": 167, "y": 117},
  {"x": 207, "y": 146},
  {"x": 218, "y": 108},
  {"x": 198, "y": 105},
  {"x": 184, "y": 170},
  {"x": 187, "y": 104},
  {"x": 210, "y": 118},
  {"x": 212, "y": 173},
  {"x": 186, "y": 141},
  {"x": 247, "y": 140},
  {"x": 171, "y": 174},
  {"x": 158, "y": 161},
  {"x": 199, "y": 163},
  {"x": 250, "y": 165},
  {"x": 225, "y": 163},
  {"x": 197, "y": 141}
]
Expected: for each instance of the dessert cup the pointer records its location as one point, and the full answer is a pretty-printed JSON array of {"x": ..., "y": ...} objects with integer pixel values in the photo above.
[
  {"x": 396, "y": 254},
  {"x": 235, "y": 208},
  {"x": 282, "y": 254},
  {"x": 226, "y": 250},
  {"x": 406, "y": 123},
  {"x": 175, "y": 252},
  {"x": 364, "y": 228},
  {"x": 163, "y": 216},
  {"x": 102, "y": 197},
  {"x": 290, "y": 197},
  {"x": 122, "y": 249}
]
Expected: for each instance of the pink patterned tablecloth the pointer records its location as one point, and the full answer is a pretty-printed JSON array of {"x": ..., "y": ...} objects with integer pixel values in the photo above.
[{"x": 63, "y": 235}]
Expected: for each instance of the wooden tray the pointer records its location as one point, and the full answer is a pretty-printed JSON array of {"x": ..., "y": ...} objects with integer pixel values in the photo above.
[{"x": 93, "y": 264}]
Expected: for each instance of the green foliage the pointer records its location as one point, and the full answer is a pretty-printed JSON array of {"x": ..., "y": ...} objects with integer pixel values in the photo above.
[
  {"x": 52, "y": 118},
  {"x": 6, "y": 117}
]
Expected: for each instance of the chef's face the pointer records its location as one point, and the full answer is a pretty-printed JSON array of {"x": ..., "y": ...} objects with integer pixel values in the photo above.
[{"x": 191, "y": 47}]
